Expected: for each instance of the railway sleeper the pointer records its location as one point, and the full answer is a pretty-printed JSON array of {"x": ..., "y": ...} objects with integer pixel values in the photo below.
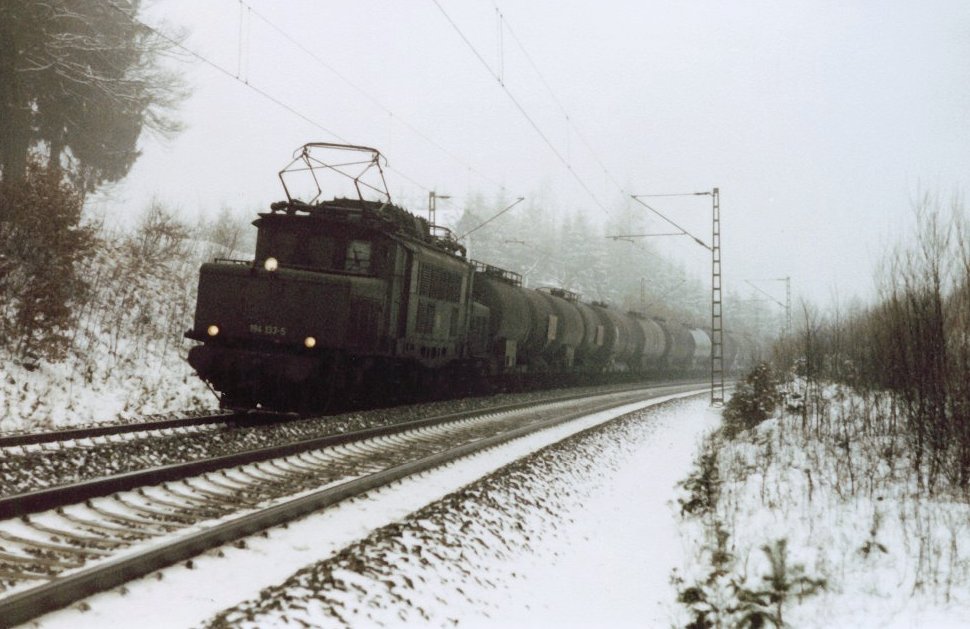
[
  {"x": 304, "y": 467},
  {"x": 323, "y": 458},
  {"x": 334, "y": 468},
  {"x": 54, "y": 547},
  {"x": 241, "y": 490},
  {"x": 122, "y": 518},
  {"x": 234, "y": 498},
  {"x": 286, "y": 465},
  {"x": 101, "y": 527},
  {"x": 206, "y": 510},
  {"x": 35, "y": 560},
  {"x": 275, "y": 483},
  {"x": 285, "y": 476},
  {"x": 74, "y": 536},
  {"x": 193, "y": 495},
  {"x": 236, "y": 484},
  {"x": 25, "y": 575},
  {"x": 156, "y": 517},
  {"x": 206, "y": 499}
]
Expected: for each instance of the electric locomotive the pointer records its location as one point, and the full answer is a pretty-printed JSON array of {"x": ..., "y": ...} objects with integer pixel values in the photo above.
[
  {"x": 354, "y": 298},
  {"x": 344, "y": 297}
]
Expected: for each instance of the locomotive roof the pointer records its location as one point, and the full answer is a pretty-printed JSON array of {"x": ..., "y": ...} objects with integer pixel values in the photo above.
[{"x": 380, "y": 215}]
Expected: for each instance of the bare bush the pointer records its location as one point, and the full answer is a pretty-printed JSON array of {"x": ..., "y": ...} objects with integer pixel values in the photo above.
[
  {"x": 913, "y": 346},
  {"x": 228, "y": 235},
  {"x": 160, "y": 235}
]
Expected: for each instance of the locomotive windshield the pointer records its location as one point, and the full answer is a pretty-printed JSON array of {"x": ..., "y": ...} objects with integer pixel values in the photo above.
[{"x": 301, "y": 248}]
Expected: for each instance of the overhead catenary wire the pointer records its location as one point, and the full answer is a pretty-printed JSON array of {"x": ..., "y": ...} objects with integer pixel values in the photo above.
[
  {"x": 370, "y": 97},
  {"x": 483, "y": 224},
  {"x": 239, "y": 40},
  {"x": 765, "y": 293},
  {"x": 569, "y": 120},
  {"x": 683, "y": 232},
  {"x": 229, "y": 73},
  {"x": 521, "y": 109},
  {"x": 248, "y": 84}
]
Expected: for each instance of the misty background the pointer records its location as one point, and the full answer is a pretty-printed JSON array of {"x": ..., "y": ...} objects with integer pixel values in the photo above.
[
  {"x": 825, "y": 126},
  {"x": 836, "y": 133},
  {"x": 820, "y": 122}
]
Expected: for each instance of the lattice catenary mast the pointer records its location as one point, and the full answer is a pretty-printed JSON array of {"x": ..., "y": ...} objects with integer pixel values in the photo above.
[{"x": 717, "y": 330}]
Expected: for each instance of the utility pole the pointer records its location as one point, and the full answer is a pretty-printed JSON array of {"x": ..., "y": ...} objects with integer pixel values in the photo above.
[
  {"x": 787, "y": 305},
  {"x": 717, "y": 323},
  {"x": 787, "y": 279},
  {"x": 433, "y": 207}
]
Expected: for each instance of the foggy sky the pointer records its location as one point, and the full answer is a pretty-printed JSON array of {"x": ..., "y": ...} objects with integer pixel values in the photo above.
[{"x": 819, "y": 121}]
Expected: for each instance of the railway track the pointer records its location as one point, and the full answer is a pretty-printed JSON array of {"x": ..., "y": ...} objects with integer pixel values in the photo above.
[
  {"x": 107, "y": 433},
  {"x": 65, "y": 543},
  {"x": 99, "y": 434},
  {"x": 49, "y": 462}
]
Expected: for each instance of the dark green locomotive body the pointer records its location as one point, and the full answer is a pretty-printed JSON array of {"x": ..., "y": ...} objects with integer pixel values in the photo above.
[{"x": 339, "y": 295}]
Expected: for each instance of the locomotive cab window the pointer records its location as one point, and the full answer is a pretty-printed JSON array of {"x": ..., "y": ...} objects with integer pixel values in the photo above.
[
  {"x": 297, "y": 248},
  {"x": 358, "y": 256},
  {"x": 321, "y": 247}
]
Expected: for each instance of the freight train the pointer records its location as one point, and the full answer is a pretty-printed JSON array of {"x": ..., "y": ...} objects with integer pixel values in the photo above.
[{"x": 353, "y": 299}]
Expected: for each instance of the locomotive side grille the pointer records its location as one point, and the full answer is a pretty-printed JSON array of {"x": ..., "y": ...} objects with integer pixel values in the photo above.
[
  {"x": 424, "y": 324},
  {"x": 424, "y": 280},
  {"x": 438, "y": 283}
]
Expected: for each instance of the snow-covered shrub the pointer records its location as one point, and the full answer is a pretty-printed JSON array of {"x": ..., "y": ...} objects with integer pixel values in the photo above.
[
  {"x": 847, "y": 499},
  {"x": 914, "y": 345},
  {"x": 753, "y": 401},
  {"x": 726, "y": 597},
  {"x": 703, "y": 481},
  {"x": 710, "y": 599}
]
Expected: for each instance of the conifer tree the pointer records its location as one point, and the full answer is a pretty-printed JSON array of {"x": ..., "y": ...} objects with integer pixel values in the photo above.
[
  {"x": 79, "y": 81},
  {"x": 43, "y": 247}
]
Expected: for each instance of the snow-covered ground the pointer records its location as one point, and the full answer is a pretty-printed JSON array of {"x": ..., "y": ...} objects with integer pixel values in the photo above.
[
  {"x": 583, "y": 533},
  {"x": 838, "y": 491},
  {"x": 126, "y": 356},
  {"x": 53, "y": 396},
  {"x": 817, "y": 519}
]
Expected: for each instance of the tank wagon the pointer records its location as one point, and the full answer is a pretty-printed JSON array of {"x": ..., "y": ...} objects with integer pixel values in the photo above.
[{"x": 348, "y": 299}]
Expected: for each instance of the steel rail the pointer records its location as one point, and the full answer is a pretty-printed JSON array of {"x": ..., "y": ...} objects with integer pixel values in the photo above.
[
  {"x": 91, "y": 432},
  {"x": 239, "y": 417},
  {"x": 53, "y": 497},
  {"x": 63, "y": 591}
]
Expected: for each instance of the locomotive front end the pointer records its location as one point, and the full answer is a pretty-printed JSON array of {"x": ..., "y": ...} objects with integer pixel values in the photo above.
[
  {"x": 272, "y": 338},
  {"x": 298, "y": 324}
]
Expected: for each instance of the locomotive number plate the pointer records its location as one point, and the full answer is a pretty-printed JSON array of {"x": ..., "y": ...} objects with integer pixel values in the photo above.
[{"x": 268, "y": 330}]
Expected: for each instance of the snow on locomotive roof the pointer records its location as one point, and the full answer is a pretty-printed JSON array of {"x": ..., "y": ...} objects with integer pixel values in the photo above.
[
  {"x": 341, "y": 169},
  {"x": 384, "y": 216}
]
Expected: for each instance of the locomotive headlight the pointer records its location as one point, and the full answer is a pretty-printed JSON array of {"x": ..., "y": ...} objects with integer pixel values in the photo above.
[
  {"x": 310, "y": 342},
  {"x": 271, "y": 264},
  {"x": 213, "y": 330}
]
